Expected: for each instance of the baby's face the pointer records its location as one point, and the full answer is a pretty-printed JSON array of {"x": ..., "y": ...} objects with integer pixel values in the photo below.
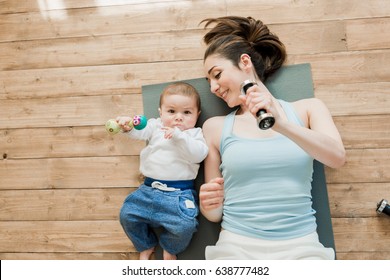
[{"x": 179, "y": 111}]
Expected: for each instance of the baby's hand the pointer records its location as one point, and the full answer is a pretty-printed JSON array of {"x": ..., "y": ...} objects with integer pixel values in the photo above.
[
  {"x": 126, "y": 123},
  {"x": 168, "y": 132}
]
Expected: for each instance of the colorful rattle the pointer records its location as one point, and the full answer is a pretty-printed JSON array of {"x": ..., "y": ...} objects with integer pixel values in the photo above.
[{"x": 138, "y": 122}]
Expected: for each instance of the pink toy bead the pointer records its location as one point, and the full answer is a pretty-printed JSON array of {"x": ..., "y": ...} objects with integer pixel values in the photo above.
[{"x": 140, "y": 122}]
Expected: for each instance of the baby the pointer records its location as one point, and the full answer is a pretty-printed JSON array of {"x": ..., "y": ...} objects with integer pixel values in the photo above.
[{"x": 170, "y": 163}]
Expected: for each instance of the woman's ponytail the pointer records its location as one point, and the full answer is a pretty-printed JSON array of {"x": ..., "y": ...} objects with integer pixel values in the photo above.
[{"x": 232, "y": 36}]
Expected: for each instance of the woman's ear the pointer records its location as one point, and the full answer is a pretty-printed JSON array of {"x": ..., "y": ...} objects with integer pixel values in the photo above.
[{"x": 246, "y": 62}]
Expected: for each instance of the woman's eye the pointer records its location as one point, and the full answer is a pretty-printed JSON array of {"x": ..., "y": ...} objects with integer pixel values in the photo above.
[{"x": 218, "y": 75}]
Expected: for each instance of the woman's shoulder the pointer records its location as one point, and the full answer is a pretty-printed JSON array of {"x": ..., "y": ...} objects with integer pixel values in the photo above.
[
  {"x": 306, "y": 107},
  {"x": 213, "y": 126},
  {"x": 213, "y": 121}
]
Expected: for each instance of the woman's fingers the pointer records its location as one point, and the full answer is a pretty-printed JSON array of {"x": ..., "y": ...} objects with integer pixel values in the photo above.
[{"x": 211, "y": 194}]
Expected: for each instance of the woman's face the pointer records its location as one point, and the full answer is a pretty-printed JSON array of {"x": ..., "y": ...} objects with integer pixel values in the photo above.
[{"x": 225, "y": 78}]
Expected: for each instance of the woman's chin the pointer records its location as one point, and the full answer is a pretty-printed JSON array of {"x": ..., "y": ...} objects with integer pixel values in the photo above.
[{"x": 232, "y": 104}]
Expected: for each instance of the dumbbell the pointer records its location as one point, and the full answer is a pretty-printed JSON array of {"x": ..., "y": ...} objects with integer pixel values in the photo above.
[
  {"x": 383, "y": 207},
  {"x": 264, "y": 120}
]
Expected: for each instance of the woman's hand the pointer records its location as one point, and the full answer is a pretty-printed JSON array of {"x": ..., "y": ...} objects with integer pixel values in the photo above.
[
  {"x": 258, "y": 97},
  {"x": 211, "y": 196}
]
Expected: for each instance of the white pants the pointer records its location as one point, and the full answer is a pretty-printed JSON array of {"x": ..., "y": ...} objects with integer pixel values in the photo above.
[{"x": 232, "y": 246}]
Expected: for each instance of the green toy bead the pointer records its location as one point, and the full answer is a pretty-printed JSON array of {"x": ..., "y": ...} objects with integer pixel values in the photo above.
[{"x": 112, "y": 127}]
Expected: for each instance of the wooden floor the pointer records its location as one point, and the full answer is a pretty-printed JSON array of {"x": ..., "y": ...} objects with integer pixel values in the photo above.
[{"x": 68, "y": 66}]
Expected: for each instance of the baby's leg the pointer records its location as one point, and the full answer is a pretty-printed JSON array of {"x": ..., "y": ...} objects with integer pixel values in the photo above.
[
  {"x": 179, "y": 222},
  {"x": 169, "y": 256},
  {"x": 135, "y": 220},
  {"x": 145, "y": 255}
]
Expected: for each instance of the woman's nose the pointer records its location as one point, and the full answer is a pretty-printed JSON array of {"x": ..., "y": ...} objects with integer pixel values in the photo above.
[{"x": 214, "y": 87}]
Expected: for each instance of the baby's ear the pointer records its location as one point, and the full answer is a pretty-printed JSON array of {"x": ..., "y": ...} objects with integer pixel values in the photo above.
[{"x": 159, "y": 111}]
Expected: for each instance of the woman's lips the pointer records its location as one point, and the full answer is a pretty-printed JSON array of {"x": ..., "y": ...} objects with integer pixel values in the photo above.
[{"x": 224, "y": 94}]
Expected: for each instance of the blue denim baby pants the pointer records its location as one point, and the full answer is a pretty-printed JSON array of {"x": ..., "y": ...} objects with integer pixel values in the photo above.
[{"x": 174, "y": 211}]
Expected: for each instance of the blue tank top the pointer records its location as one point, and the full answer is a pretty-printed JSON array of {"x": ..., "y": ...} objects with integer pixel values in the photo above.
[{"x": 267, "y": 184}]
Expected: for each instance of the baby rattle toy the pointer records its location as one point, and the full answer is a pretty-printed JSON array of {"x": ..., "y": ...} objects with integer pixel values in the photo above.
[{"x": 138, "y": 122}]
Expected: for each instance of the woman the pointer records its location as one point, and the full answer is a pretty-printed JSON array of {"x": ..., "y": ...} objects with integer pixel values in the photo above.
[{"x": 258, "y": 182}]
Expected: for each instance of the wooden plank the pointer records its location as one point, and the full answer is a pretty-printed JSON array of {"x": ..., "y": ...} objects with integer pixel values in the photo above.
[
  {"x": 375, "y": 127},
  {"x": 62, "y": 205},
  {"x": 103, "y": 50},
  {"x": 287, "y": 10},
  {"x": 110, "y": 20},
  {"x": 305, "y": 10},
  {"x": 364, "y": 256},
  {"x": 71, "y": 111},
  {"x": 122, "y": 49},
  {"x": 368, "y": 34},
  {"x": 93, "y": 80},
  {"x": 349, "y": 99},
  {"x": 65, "y": 142},
  {"x": 61, "y": 237},
  {"x": 70, "y": 256},
  {"x": 354, "y": 200},
  {"x": 348, "y": 67},
  {"x": 362, "y": 235},
  {"x": 70, "y": 173},
  {"x": 362, "y": 166},
  {"x": 11, "y": 6},
  {"x": 312, "y": 37}
]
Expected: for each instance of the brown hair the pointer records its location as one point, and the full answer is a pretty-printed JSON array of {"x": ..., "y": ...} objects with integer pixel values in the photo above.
[
  {"x": 181, "y": 88},
  {"x": 233, "y": 36}
]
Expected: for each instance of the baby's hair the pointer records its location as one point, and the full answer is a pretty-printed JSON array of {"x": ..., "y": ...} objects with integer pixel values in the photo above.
[
  {"x": 233, "y": 36},
  {"x": 181, "y": 88}
]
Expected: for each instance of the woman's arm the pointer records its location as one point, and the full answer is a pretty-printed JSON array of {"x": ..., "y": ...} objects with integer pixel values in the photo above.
[
  {"x": 211, "y": 193},
  {"x": 320, "y": 138}
]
